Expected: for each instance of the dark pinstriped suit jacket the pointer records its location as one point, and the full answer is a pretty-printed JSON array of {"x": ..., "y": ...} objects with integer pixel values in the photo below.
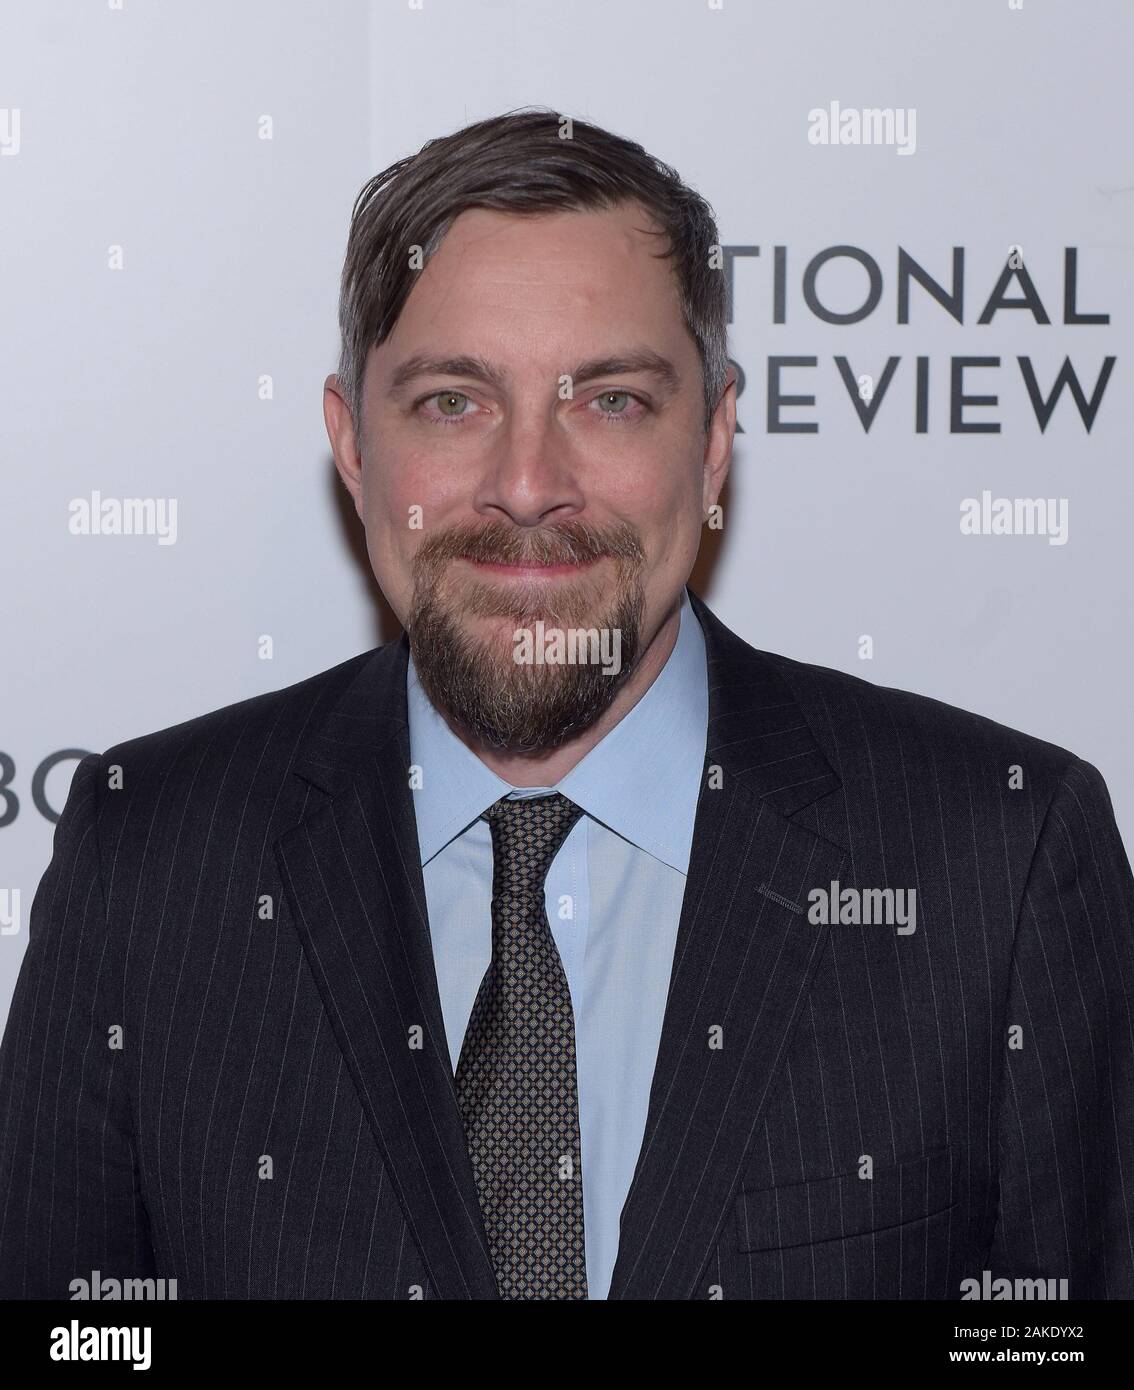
[{"x": 247, "y": 1039}]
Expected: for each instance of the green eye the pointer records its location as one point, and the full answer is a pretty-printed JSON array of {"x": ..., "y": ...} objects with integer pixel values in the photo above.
[
  {"x": 447, "y": 398},
  {"x": 606, "y": 397}
]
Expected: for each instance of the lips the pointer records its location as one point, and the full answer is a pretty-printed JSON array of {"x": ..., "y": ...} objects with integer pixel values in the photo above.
[{"x": 529, "y": 569}]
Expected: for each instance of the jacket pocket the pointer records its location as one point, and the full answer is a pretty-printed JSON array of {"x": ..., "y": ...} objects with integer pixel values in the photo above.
[{"x": 805, "y": 1213}]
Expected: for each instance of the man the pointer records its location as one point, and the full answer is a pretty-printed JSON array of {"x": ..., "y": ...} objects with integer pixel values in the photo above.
[{"x": 500, "y": 963}]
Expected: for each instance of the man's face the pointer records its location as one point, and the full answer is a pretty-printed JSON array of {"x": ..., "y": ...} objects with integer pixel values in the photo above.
[{"x": 548, "y": 493}]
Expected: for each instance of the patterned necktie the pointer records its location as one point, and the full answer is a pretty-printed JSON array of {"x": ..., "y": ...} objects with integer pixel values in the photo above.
[{"x": 516, "y": 1082}]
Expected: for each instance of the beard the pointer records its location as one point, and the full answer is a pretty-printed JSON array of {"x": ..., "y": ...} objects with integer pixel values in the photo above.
[{"x": 472, "y": 675}]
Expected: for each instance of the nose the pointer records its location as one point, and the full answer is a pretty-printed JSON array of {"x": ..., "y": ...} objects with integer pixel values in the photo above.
[{"x": 529, "y": 474}]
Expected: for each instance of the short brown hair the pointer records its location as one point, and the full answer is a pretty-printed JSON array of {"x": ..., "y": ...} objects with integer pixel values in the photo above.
[{"x": 519, "y": 162}]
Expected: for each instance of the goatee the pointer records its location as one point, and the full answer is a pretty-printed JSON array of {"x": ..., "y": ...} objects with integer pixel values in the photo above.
[{"x": 475, "y": 680}]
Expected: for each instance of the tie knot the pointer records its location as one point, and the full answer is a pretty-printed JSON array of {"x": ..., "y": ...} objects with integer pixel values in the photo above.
[{"x": 527, "y": 833}]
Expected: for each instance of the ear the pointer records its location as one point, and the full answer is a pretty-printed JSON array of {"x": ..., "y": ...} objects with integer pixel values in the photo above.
[
  {"x": 718, "y": 445},
  {"x": 345, "y": 443}
]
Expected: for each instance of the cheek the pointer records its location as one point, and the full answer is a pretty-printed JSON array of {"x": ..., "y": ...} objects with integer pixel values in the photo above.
[
  {"x": 390, "y": 498},
  {"x": 645, "y": 482},
  {"x": 417, "y": 484},
  {"x": 388, "y": 521},
  {"x": 674, "y": 524},
  {"x": 668, "y": 506}
]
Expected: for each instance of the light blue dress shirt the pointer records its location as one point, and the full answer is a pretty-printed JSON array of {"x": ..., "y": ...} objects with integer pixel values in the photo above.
[{"x": 613, "y": 897}]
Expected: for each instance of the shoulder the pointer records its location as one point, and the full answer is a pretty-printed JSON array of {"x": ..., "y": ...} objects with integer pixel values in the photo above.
[
  {"x": 893, "y": 733},
  {"x": 247, "y": 745}
]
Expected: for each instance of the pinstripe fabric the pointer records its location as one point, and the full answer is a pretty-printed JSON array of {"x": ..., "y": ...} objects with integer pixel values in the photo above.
[{"x": 280, "y": 1120}]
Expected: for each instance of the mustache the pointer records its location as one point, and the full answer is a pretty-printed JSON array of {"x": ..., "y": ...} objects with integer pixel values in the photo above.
[{"x": 571, "y": 542}]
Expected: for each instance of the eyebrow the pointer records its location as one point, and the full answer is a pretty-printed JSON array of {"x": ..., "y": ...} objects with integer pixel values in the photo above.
[{"x": 643, "y": 360}]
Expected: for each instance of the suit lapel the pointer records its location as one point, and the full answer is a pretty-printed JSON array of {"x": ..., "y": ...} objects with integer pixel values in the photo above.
[
  {"x": 352, "y": 871},
  {"x": 743, "y": 962}
]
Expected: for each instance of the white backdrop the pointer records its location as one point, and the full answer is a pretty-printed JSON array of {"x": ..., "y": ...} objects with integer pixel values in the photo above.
[{"x": 176, "y": 179}]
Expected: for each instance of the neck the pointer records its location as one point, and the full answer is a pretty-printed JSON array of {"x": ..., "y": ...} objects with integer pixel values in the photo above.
[{"x": 545, "y": 769}]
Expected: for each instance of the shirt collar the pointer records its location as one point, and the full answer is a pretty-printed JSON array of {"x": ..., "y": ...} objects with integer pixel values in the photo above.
[{"x": 659, "y": 745}]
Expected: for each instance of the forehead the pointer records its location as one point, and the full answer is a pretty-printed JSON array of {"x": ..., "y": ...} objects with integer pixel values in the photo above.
[{"x": 559, "y": 271}]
